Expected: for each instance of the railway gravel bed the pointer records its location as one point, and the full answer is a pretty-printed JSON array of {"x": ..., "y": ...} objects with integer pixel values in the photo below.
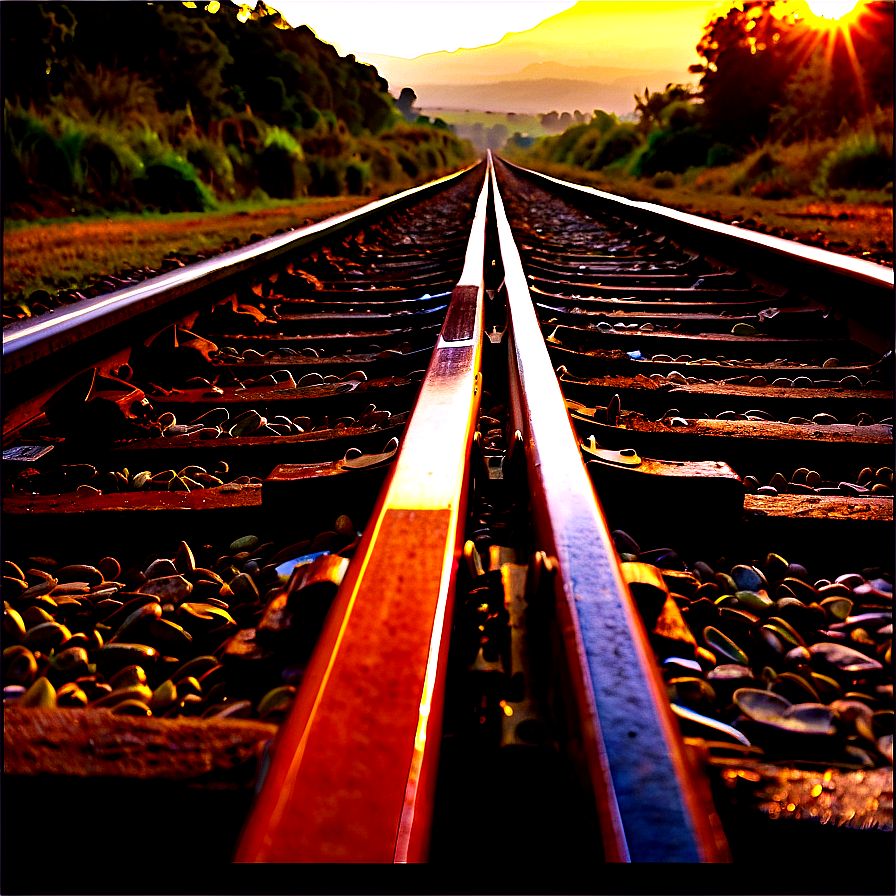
[
  {"x": 509, "y": 499},
  {"x": 747, "y": 475}
]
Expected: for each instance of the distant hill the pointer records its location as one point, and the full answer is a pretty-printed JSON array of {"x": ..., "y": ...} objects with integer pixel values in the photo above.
[
  {"x": 602, "y": 74},
  {"x": 595, "y": 41},
  {"x": 530, "y": 96}
]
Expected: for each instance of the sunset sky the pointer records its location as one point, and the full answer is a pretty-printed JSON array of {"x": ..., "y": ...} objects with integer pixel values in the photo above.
[{"x": 410, "y": 28}]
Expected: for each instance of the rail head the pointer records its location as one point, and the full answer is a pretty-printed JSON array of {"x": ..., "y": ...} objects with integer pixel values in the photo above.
[
  {"x": 33, "y": 339},
  {"x": 645, "y": 797},
  {"x": 802, "y": 265},
  {"x": 352, "y": 774}
]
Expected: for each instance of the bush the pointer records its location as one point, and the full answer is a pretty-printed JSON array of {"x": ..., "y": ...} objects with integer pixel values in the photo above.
[
  {"x": 604, "y": 121},
  {"x": 384, "y": 167},
  {"x": 664, "y": 180},
  {"x": 680, "y": 114},
  {"x": 109, "y": 163},
  {"x": 148, "y": 145},
  {"x": 584, "y": 147},
  {"x": 357, "y": 177},
  {"x": 408, "y": 165},
  {"x": 22, "y": 133},
  {"x": 59, "y": 162},
  {"x": 616, "y": 144},
  {"x": 212, "y": 162},
  {"x": 282, "y": 171},
  {"x": 674, "y": 151},
  {"x": 721, "y": 154},
  {"x": 566, "y": 142},
  {"x": 172, "y": 183},
  {"x": 862, "y": 162},
  {"x": 327, "y": 175}
]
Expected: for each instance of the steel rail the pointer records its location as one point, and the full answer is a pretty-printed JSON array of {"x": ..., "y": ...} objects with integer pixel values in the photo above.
[
  {"x": 646, "y": 797},
  {"x": 865, "y": 287},
  {"x": 78, "y": 336},
  {"x": 352, "y": 773}
]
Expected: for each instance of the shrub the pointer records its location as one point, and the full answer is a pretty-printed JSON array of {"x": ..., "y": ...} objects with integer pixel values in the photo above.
[
  {"x": 861, "y": 162},
  {"x": 408, "y": 165},
  {"x": 616, "y": 144},
  {"x": 212, "y": 162},
  {"x": 357, "y": 177},
  {"x": 23, "y": 136},
  {"x": 109, "y": 162},
  {"x": 720, "y": 154},
  {"x": 59, "y": 161},
  {"x": 171, "y": 182},
  {"x": 282, "y": 171},
  {"x": 567, "y": 141},
  {"x": 585, "y": 146},
  {"x": 664, "y": 180},
  {"x": 604, "y": 121},
  {"x": 147, "y": 144},
  {"x": 384, "y": 167},
  {"x": 327, "y": 175},
  {"x": 680, "y": 114},
  {"x": 672, "y": 150}
]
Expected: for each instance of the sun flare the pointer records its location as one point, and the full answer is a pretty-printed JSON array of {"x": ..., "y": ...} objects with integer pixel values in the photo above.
[{"x": 831, "y": 9}]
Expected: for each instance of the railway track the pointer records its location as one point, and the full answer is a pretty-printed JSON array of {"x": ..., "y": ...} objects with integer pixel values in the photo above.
[{"x": 397, "y": 606}]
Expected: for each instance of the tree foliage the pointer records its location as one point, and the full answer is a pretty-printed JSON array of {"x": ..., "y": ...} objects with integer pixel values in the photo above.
[
  {"x": 180, "y": 98},
  {"x": 213, "y": 62},
  {"x": 405, "y": 103},
  {"x": 651, "y": 108},
  {"x": 769, "y": 78},
  {"x": 766, "y": 72}
]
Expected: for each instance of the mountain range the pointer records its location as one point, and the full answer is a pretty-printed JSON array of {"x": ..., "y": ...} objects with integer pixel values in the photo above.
[{"x": 596, "y": 54}]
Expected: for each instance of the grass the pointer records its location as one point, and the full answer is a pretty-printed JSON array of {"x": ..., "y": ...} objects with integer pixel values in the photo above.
[{"x": 67, "y": 254}]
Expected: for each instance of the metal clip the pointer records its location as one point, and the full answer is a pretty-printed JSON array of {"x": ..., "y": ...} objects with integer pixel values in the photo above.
[{"x": 627, "y": 457}]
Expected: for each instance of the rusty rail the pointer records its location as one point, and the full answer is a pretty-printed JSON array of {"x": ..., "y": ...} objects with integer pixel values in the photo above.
[
  {"x": 352, "y": 775},
  {"x": 646, "y": 801}
]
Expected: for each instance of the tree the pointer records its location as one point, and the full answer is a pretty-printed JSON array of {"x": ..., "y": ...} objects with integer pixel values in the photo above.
[
  {"x": 405, "y": 104},
  {"x": 651, "y": 108},
  {"x": 603, "y": 121},
  {"x": 551, "y": 121},
  {"x": 746, "y": 66},
  {"x": 767, "y": 72}
]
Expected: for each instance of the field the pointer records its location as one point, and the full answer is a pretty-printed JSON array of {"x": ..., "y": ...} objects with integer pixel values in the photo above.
[{"x": 50, "y": 255}]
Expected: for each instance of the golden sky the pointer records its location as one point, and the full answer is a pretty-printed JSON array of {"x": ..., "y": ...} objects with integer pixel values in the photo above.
[{"x": 409, "y": 28}]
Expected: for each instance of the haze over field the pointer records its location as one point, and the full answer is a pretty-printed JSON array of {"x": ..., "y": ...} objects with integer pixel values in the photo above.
[{"x": 595, "y": 54}]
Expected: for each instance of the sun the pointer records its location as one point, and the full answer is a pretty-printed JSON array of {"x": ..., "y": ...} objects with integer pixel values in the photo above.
[
  {"x": 832, "y": 9},
  {"x": 831, "y": 24}
]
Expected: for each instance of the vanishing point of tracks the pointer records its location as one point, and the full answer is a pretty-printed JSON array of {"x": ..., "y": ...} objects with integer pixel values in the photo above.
[{"x": 521, "y": 513}]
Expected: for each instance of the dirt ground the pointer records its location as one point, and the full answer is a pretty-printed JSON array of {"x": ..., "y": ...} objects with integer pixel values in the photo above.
[{"x": 73, "y": 255}]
